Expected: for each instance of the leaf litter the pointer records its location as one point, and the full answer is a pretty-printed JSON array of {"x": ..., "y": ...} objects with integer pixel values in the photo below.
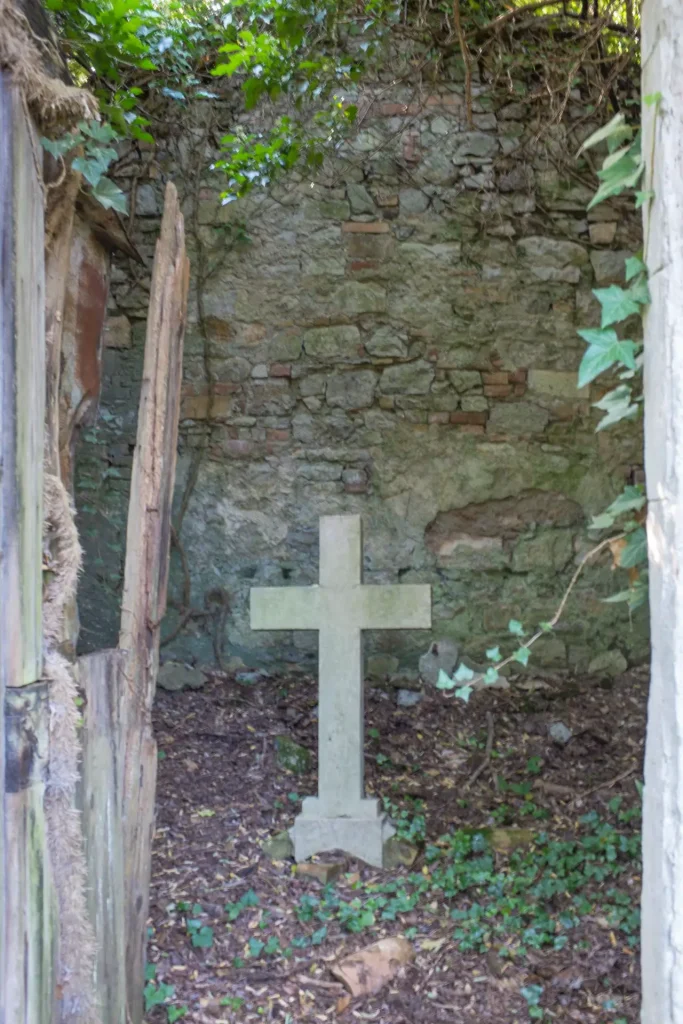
[{"x": 522, "y": 903}]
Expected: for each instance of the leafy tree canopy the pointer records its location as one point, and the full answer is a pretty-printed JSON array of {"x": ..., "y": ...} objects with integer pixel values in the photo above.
[{"x": 306, "y": 56}]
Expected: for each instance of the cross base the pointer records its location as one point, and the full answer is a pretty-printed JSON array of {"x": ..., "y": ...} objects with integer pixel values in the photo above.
[{"x": 362, "y": 833}]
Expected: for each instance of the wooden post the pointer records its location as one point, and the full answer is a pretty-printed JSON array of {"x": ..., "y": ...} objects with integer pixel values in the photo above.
[
  {"x": 27, "y": 906},
  {"x": 146, "y": 573},
  {"x": 101, "y": 677}
]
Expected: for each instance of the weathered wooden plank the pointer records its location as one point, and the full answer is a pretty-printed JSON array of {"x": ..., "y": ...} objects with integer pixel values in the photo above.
[
  {"x": 28, "y": 967},
  {"x": 27, "y": 905},
  {"x": 22, "y": 402},
  {"x": 146, "y": 571},
  {"x": 101, "y": 677}
]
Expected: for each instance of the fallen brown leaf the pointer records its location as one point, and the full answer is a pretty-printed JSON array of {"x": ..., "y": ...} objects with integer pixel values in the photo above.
[{"x": 369, "y": 970}]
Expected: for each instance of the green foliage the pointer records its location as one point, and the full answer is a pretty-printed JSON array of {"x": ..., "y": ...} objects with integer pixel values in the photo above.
[
  {"x": 410, "y": 822},
  {"x": 200, "y": 934},
  {"x": 157, "y": 994},
  {"x": 94, "y": 143},
  {"x": 233, "y": 910}
]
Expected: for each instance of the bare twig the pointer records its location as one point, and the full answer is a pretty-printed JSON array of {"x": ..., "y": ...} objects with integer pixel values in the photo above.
[
  {"x": 487, "y": 753},
  {"x": 477, "y": 680},
  {"x": 467, "y": 58},
  {"x": 610, "y": 783}
]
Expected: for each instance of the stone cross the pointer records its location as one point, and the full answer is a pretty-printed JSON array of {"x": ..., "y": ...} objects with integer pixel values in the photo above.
[{"x": 339, "y": 608}]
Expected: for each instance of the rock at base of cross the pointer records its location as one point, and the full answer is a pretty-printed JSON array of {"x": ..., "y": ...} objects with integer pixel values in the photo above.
[
  {"x": 399, "y": 853},
  {"x": 175, "y": 676},
  {"x": 292, "y": 756},
  {"x": 279, "y": 847},
  {"x": 322, "y": 871}
]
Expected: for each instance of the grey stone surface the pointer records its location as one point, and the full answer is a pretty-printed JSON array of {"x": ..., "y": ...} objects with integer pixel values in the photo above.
[
  {"x": 360, "y": 199},
  {"x": 340, "y": 607},
  {"x": 386, "y": 342},
  {"x": 609, "y": 663},
  {"x": 483, "y": 288},
  {"x": 408, "y": 698},
  {"x": 175, "y": 676},
  {"x": 381, "y": 665},
  {"x": 333, "y": 344},
  {"x": 559, "y": 733},
  {"x": 441, "y": 656},
  {"x": 518, "y": 418},
  {"x": 407, "y": 379},
  {"x": 353, "y": 390}
]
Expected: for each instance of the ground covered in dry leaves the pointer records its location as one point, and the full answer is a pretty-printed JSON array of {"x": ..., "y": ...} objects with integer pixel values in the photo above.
[{"x": 522, "y": 903}]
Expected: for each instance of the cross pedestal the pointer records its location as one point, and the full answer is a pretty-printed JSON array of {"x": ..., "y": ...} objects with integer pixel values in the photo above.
[{"x": 339, "y": 608}]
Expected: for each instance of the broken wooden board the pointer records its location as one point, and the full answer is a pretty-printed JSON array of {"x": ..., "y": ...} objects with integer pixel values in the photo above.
[
  {"x": 101, "y": 678},
  {"x": 27, "y": 899},
  {"x": 146, "y": 573}
]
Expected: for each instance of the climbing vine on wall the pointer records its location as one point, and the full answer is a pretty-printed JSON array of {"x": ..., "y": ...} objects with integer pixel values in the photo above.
[
  {"x": 607, "y": 352},
  {"x": 148, "y": 61}
]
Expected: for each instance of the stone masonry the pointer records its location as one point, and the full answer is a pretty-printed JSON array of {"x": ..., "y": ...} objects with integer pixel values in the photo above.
[{"x": 395, "y": 338}]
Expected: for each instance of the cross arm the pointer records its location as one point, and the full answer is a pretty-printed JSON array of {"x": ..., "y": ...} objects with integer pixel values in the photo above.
[
  {"x": 285, "y": 608},
  {"x": 407, "y": 606}
]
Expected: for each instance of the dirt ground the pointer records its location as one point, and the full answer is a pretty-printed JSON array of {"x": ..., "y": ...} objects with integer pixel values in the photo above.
[{"x": 497, "y": 938}]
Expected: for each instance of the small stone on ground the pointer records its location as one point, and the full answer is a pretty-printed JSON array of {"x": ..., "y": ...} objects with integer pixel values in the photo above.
[
  {"x": 174, "y": 676},
  {"x": 609, "y": 663},
  {"x": 408, "y": 698},
  {"x": 292, "y": 756},
  {"x": 442, "y": 656},
  {"x": 559, "y": 733}
]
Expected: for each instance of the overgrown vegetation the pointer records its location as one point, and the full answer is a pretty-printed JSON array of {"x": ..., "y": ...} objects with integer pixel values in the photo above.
[{"x": 149, "y": 61}]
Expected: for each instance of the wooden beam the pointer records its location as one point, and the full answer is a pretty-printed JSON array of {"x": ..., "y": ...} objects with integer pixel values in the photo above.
[
  {"x": 146, "y": 572},
  {"x": 27, "y": 904},
  {"x": 101, "y": 678}
]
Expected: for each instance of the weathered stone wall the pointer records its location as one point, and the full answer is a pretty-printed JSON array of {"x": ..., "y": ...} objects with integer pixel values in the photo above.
[{"x": 395, "y": 338}]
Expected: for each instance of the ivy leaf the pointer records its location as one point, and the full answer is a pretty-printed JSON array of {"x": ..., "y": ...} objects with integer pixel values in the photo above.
[
  {"x": 546, "y": 627},
  {"x": 604, "y": 349},
  {"x": 617, "y": 405},
  {"x": 616, "y": 126},
  {"x": 173, "y": 94},
  {"x": 464, "y": 693},
  {"x": 640, "y": 292},
  {"x": 515, "y": 628},
  {"x": 631, "y": 499},
  {"x": 110, "y": 196},
  {"x": 652, "y": 99},
  {"x": 623, "y": 173},
  {"x": 634, "y": 266},
  {"x": 602, "y": 522},
  {"x": 643, "y": 197},
  {"x": 617, "y": 304},
  {"x": 318, "y": 936},
  {"x": 99, "y": 132},
  {"x": 58, "y": 147},
  {"x": 90, "y": 169},
  {"x": 463, "y": 674},
  {"x": 444, "y": 682},
  {"x": 522, "y": 655},
  {"x": 493, "y": 654},
  {"x": 203, "y": 939},
  {"x": 256, "y": 947},
  {"x": 635, "y": 552},
  {"x": 491, "y": 676}
]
